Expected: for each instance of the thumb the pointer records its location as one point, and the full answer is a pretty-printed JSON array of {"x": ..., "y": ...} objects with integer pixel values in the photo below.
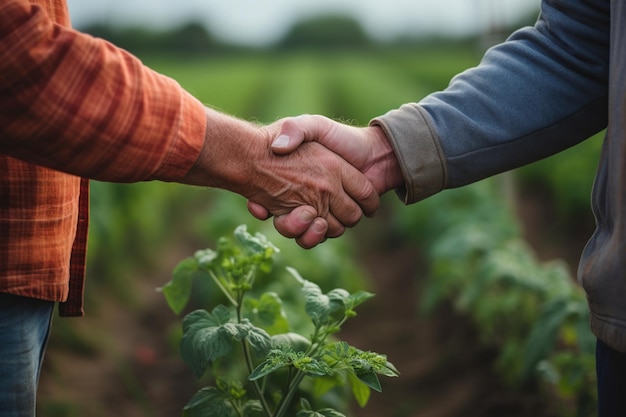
[
  {"x": 295, "y": 130},
  {"x": 290, "y": 136}
]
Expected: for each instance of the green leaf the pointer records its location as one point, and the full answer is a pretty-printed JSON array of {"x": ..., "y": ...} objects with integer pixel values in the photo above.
[
  {"x": 317, "y": 304},
  {"x": 543, "y": 335},
  {"x": 275, "y": 360},
  {"x": 283, "y": 356},
  {"x": 294, "y": 341},
  {"x": 268, "y": 312},
  {"x": 311, "y": 366},
  {"x": 206, "y": 257},
  {"x": 337, "y": 303},
  {"x": 209, "y": 336},
  {"x": 305, "y": 404},
  {"x": 208, "y": 402},
  {"x": 325, "y": 412},
  {"x": 230, "y": 389},
  {"x": 324, "y": 384},
  {"x": 360, "y": 390},
  {"x": 370, "y": 379},
  {"x": 178, "y": 290},
  {"x": 258, "y": 338},
  {"x": 358, "y": 298},
  {"x": 388, "y": 369},
  {"x": 253, "y": 408},
  {"x": 203, "y": 340},
  {"x": 365, "y": 365},
  {"x": 257, "y": 244}
]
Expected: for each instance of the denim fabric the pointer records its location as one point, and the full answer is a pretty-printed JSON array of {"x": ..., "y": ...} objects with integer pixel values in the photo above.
[
  {"x": 611, "y": 370},
  {"x": 24, "y": 329}
]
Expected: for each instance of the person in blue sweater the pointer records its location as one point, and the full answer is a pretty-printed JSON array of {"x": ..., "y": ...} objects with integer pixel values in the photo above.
[{"x": 544, "y": 89}]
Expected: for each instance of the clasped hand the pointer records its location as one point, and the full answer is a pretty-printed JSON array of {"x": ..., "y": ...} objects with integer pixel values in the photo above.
[{"x": 367, "y": 165}]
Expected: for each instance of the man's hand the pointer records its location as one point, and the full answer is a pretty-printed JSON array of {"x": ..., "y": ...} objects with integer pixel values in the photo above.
[
  {"x": 366, "y": 148},
  {"x": 312, "y": 184}
]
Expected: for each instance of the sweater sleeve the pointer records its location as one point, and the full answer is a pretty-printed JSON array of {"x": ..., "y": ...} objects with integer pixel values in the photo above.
[
  {"x": 539, "y": 92},
  {"x": 78, "y": 104}
]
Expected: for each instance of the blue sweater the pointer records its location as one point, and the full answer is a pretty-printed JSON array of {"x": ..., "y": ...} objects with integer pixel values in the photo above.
[{"x": 545, "y": 89}]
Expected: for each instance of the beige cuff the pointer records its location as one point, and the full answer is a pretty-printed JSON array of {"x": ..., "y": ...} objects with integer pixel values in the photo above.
[{"x": 418, "y": 151}]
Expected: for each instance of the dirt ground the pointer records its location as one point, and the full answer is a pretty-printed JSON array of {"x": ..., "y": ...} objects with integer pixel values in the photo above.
[{"x": 130, "y": 368}]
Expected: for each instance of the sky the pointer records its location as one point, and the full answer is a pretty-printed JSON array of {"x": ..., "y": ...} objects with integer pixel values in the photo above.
[{"x": 261, "y": 22}]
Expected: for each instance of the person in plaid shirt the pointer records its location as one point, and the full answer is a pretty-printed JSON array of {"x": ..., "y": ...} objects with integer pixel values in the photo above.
[{"x": 73, "y": 108}]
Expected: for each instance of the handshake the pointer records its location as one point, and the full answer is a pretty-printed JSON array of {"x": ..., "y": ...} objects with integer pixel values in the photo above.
[{"x": 315, "y": 176}]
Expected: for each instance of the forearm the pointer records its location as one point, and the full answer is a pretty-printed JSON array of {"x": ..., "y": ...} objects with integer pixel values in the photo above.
[
  {"x": 543, "y": 90},
  {"x": 231, "y": 151}
]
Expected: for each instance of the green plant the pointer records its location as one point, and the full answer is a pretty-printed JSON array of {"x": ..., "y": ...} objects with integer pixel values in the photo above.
[
  {"x": 533, "y": 313},
  {"x": 255, "y": 327}
]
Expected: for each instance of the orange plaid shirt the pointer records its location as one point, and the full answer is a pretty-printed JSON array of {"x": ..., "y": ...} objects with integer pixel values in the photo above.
[{"x": 74, "y": 107}]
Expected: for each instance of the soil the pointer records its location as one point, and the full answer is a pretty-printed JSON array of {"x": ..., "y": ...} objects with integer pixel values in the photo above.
[{"x": 129, "y": 366}]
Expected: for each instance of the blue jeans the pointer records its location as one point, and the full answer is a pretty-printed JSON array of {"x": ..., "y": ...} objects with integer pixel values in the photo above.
[
  {"x": 24, "y": 329},
  {"x": 611, "y": 370}
]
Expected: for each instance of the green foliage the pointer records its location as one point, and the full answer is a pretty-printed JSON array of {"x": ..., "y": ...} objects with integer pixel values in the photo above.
[
  {"x": 208, "y": 337},
  {"x": 477, "y": 256},
  {"x": 532, "y": 312}
]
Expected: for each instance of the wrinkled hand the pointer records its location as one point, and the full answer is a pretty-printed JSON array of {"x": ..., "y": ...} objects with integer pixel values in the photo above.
[
  {"x": 366, "y": 148},
  {"x": 311, "y": 184}
]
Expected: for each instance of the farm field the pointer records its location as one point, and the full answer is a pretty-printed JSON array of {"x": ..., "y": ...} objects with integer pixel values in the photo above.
[{"x": 461, "y": 280}]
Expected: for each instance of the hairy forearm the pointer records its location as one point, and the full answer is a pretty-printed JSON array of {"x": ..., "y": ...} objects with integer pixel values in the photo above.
[{"x": 231, "y": 148}]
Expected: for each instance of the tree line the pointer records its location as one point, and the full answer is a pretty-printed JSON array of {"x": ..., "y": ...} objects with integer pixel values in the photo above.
[{"x": 325, "y": 32}]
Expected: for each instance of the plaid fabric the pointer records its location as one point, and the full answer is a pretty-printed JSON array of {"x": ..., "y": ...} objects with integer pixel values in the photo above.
[{"x": 72, "y": 107}]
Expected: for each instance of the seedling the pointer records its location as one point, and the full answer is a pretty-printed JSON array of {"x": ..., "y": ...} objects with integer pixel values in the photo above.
[{"x": 276, "y": 360}]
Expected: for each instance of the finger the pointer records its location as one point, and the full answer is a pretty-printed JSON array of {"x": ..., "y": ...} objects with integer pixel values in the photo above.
[
  {"x": 359, "y": 197},
  {"x": 361, "y": 191},
  {"x": 296, "y": 223},
  {"x": 335, "y": 227},
  {"x": 314, "y": 235},
  {"x": 258, "y": 211}
]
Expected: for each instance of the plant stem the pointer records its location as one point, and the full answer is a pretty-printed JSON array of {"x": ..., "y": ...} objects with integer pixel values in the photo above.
[
  {"x": 317, "y": 340},
  {"x": 248, "y": 358},
  {"x": 286, "y": 400},
  {"x": 224, "y": 290},
  {"x": 237, "y": 409},
  {"x": 255, "y": 385}
]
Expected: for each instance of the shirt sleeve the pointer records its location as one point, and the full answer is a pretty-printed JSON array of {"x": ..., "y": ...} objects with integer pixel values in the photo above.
[
  {"x": 80, "y": 105},
  {"x": 539, "y": 92}
]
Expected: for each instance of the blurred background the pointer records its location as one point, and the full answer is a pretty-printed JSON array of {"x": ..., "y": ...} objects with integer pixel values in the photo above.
[{"x": 476, "y": 299}]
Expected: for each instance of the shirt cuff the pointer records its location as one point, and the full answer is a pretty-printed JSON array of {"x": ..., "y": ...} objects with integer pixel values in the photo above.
[{"x": 417, "y": 149}]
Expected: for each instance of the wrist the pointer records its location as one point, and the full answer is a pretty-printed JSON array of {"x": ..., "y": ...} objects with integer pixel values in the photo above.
[
  {"x": 385, "y": 173},
  {"x": 230, "y": 146}
]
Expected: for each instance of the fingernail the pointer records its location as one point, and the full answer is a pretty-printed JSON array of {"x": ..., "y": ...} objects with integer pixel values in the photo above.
[
  {"x": 282, "y": 141},
  {"x": 319, "y": 227},
  {"x": 307, "y": 216}
]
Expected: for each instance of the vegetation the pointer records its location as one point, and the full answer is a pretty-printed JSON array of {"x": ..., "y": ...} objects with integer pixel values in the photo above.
[
  {"x": 532, "y": 312},
  {"x": 261, "y": 325}
]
